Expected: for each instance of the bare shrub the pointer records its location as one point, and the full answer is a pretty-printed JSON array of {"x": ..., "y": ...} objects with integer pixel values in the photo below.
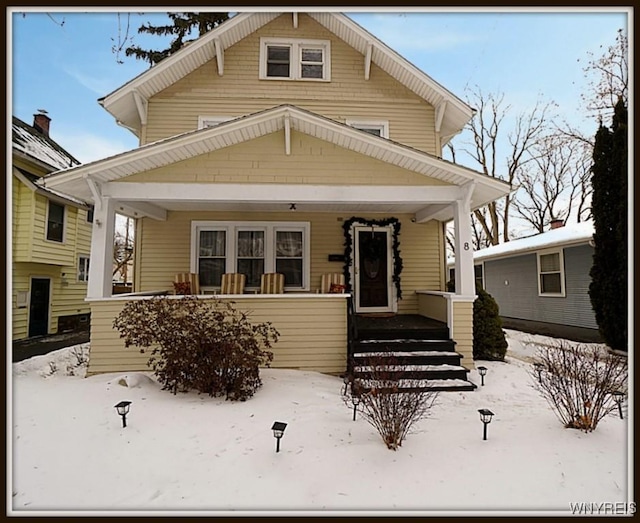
[
  {"x": 391, "y": 405},
  {"x": 81, "y": 355},
  {"x": 578, "y": 382},
  {"x": 204, "y": 345}
]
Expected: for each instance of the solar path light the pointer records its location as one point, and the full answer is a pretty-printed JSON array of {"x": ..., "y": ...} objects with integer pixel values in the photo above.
[
  {"x": 123, "y": 410},
  {"x": 483, "y": 372},
  {"x": 539, "y": 368},
  {"x": 278, "y": 431},
  {"x": 485, "y": 417},
  {"x": 619, "y": 397}
]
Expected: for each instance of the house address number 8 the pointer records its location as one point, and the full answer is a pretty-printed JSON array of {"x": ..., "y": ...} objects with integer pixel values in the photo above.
[{"x": 466, "y": 246}]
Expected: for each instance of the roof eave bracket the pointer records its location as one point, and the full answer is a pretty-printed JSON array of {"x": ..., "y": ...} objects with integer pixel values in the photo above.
[
  {"x": 295, "y": 20},
  {"x": 94, "y": 187},
  {"x": 142, "y": 105},
  {"x": 219, "y": 56},
  {"x": 367, "y": 61},
  {"x": 287, "y": 134},
  {"x": 440, "y": 109}
]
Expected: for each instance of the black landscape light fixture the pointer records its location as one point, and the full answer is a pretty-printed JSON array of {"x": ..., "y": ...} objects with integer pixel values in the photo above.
[
  {"x": 355, "y": 401},
  {"x": 539, "y": 368},
  {"x": 485, "y": 417},
  {"x": 123, "y": 410},
  {"x": 346, "y": 379},
  {"x": 278, "y": 430},
  {"x": 483, "y": 372},
  {"x": 619, "y": 397}
]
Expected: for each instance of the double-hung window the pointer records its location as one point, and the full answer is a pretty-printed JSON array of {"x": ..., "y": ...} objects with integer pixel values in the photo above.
[
  {"x": 211, "y": 260},
  {"x": 250, "y": 254},
  {"x": 55, "y": 222},
  {"x": 551, "y": 273},
  {"x": 252, "y": 249},
  {"x": 375, "y": 127},
  {"x": 295, "y": 59},
  {"x": 83, "y": 268},
  {"x": 212, "y": 121}
]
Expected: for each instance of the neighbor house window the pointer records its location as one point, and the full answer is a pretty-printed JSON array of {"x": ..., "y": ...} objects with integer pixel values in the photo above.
[
  {"x": 212, "y": 121},
  {"x": 252, "y": 249},
  {"x": 375, "y": 127},
  {"x": 83, "y": 268},
  {"x": 90, "y": 212},
  {"x": 295, "y": 59},
  {"x": 551, "y": 274},
  {"x": 477, "y": 270},
  {"x": 55, "y": 222}
]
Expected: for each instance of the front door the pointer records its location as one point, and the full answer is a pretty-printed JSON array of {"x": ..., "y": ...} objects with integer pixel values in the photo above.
[
  {"x": 373, "y": 270},
  {"x": 39, "y": 306}
]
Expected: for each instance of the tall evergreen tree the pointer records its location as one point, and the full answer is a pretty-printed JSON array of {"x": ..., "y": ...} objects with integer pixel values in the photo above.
[
  {"x": 609, "y": 274},
  {"x": 182, "y": 26}
]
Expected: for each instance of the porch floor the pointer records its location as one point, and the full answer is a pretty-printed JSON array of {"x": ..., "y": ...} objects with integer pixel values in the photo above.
[{"x": 404, "y": 325}]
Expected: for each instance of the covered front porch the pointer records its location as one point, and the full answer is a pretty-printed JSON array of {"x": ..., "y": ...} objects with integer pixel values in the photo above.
[{"x": 357, "y": 204}]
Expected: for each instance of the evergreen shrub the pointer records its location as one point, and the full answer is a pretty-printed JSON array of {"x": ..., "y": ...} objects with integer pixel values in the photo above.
[{"x": 489, "y": 342}]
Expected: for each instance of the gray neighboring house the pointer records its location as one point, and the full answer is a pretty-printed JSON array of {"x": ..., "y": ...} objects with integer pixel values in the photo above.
[{"x": 541, "y": 283}]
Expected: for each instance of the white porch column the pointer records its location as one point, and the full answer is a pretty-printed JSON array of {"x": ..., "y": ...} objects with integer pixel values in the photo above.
[
  {"x": 101, "y": 261},
  {"x": 465, "y": 281}
]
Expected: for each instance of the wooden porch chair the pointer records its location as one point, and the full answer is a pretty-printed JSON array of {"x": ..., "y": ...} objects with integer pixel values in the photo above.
[
  {"x": 232, "y": 283},
  {"x": 272, "y": 283},
  {"x": 332, "y": 283},
  {"x": 186, "y": 283}
]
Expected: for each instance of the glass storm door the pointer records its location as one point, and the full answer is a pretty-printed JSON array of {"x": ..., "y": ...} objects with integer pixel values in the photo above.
[{"x": 373, "y": 270}]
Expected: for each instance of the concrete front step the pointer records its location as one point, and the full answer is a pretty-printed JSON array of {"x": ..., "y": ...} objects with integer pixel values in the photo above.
[
  {"x": 416, "y": 385},
  {"x": 407, "y": 344},
  {"x": 412, "y": 372},
  {"x": 428, "y": 357}
]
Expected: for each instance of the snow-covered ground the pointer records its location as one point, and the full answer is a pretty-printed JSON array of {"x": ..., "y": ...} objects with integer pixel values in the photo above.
[{"x": 194, "y": 455}]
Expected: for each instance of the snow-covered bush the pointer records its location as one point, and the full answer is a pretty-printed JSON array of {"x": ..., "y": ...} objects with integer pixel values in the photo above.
[
  {"x": 203, "y": 345},
  {"x": 578, "y": 382}
]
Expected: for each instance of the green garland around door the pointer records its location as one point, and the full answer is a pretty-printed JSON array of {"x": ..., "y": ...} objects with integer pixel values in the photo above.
[{"x": 348, "y": 248}]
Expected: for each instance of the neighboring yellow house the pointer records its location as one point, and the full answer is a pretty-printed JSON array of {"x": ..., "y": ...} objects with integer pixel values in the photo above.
[
  {"x": 51, "y": 239},
  {"x": 295, "y": 143}
]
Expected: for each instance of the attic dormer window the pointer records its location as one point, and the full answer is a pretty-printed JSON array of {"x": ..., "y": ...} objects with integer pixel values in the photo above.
[{"x": 295, "y": 59}]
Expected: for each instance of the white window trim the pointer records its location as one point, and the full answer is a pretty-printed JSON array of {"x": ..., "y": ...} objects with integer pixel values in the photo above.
[
  {"x": 295, "y": 65},
  {"x": 562, "y": 292},
  {"x": 64, "y": 224},
  {"x": 215, "y": 120},
  {"x": 383, "y": 125},
  {"x": 86, "y": 272},
  {"x": 270, "y": 229}
]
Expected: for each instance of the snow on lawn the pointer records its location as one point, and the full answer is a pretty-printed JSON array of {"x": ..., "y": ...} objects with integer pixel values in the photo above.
[{"x": 194, "y": 454}]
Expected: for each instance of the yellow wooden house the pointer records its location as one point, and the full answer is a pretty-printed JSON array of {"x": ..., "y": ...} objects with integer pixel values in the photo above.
[
  {"x": 291, "y": 143},
  {"x": 50, "y": 238}
]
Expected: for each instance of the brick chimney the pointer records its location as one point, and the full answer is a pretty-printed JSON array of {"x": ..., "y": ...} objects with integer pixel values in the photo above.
[
  {"x": 557, "y": 223},
  {"x": 41, "y": 122}
]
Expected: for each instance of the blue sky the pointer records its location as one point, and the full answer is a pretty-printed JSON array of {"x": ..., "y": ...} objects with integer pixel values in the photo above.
[{"x": 64, "y": 69}]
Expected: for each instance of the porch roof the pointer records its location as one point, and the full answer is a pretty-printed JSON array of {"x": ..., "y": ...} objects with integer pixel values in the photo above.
[
  {"x": 432, "y": 202},
  {"x": 128, "y": 103}
]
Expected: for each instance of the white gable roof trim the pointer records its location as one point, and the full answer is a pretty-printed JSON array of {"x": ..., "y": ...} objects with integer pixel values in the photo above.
[
  {"x": 121, "y": 103},
  {"x": 202, "y": 141}
]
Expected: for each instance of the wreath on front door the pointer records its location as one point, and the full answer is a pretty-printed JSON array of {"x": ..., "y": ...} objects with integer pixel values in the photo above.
[{"x": 374, "y": 248}]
